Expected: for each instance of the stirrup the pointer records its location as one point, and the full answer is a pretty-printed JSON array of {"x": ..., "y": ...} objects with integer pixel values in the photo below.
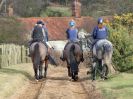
[
  {"x": 29, "y": 55},
  {"x": 82, "y": 59}
]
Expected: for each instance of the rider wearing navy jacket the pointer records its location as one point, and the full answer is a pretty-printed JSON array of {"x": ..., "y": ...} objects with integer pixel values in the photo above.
[
  {"x": 39, "y": 33},
  {"x": 99, "y": 32},
  {"x": 72, "y": 36}
]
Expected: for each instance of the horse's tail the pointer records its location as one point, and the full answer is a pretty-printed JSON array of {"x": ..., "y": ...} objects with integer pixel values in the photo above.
[
  {"x": 108, "y": 51},
  {"x": 72, "y": 48},
  {"x": 37, "y": 58},
  {"x": 73, "y": 62},
  {"x": 107, "y": 47}
]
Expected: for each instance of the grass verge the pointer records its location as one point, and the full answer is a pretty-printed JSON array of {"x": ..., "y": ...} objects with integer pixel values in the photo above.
[
  {"x": 117, "y": 87},
  {"x": 14, "y": 77}
]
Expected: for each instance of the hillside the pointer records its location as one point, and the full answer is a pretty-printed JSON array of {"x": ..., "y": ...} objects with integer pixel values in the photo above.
[{"x": 95, "y": 8}]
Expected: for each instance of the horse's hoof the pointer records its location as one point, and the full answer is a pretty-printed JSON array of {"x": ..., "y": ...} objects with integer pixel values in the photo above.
[
  {"x": 82, "y": 59},
  {"x": 44, "y": 76},
  {"x": 76, "y": 78},
  {"x": 36, "y": 80},
  {"x": 72, "y": 80},
  {"x": 93, "y": 79},
  {"x": 88, "y": 72},
  {"x": 69, "y": 74},
  {"x": 105, "y": 77},
  {"x": 40, "y": 77}
]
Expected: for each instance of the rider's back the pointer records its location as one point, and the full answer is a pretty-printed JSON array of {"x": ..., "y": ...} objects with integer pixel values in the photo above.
[
  {"x": 37, "y": 33},
  {"x": 100, "y": 33},
  {"x": 72, "y": 34}
]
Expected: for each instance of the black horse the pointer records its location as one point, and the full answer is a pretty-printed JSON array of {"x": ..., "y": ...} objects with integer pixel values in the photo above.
[{"x": 72, "y": 55}]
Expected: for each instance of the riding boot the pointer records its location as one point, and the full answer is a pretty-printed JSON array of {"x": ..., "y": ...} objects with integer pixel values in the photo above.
[
  {"x": 82, "y": 58},
  {"x": 62, "y": 55},
  {"x": 29, "y": 55}
]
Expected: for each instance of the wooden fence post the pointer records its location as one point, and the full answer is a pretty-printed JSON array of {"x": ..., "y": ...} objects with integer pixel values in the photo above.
[{"x": 11, "y": 54}]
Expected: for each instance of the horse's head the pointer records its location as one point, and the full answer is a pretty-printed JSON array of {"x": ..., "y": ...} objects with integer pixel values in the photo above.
[{"x": 89, "y": 39}]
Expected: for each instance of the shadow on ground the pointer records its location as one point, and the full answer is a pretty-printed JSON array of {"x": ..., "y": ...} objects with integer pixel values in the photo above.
[{"x": 15, "y": 71}]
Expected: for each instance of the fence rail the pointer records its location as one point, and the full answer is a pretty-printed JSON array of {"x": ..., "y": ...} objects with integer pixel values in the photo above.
[{"x": 12, "y": 54}]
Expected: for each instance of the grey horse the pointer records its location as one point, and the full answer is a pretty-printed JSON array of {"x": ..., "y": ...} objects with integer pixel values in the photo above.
[
  {"x": 102, "y": 57},
  {"x": 40, "y": 57}
]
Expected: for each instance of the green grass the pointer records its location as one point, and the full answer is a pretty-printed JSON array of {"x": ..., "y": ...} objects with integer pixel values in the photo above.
[
  {"x": 10, "y": 30},
  {"x": 117, "y": 87},
  {"x": 14, "y": 77}
]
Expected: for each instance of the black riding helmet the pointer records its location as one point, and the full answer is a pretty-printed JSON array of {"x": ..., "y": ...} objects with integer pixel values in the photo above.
[{"x": 40, "y": 22}]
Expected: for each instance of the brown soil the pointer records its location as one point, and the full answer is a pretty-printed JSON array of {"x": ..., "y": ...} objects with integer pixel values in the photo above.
[{"x": 58, "y": 85}]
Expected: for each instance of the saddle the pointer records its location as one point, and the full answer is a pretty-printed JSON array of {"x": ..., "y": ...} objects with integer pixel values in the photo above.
[{"x": 73, "y": 43}]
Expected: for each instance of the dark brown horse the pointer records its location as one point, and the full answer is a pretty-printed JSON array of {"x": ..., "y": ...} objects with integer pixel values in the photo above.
[
  {"x": 72, "y": 55},
  {"x": 39, "y": 56}
]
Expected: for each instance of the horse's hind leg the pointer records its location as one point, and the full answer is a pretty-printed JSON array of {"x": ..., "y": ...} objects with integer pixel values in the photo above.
[
  {"x": 40, "y": 71},
  {"x": 36, "y": 71},
  {"x": 94, "y": 71},
  {"x": 69, "y": 71},
  {"x": 104, "y": 71},
  {"x": 46, "y": 67},
  {"x": 76, "y": 76}
]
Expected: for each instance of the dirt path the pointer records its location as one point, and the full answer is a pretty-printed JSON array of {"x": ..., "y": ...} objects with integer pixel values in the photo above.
[{"x": 59, "y": 86}]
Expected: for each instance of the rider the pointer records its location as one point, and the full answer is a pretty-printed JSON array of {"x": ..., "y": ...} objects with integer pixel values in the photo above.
[
  {"x": 99, "y": 32},
  {"x": 40, "y": 33},
  {"x": 72, "y": 36}
]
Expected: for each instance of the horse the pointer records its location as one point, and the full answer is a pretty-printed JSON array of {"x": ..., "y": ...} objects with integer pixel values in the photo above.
[
  {"x": 39, "y": 57},
  {"x": 72, "y": 55},
  {"x": 102, "y": 55}
]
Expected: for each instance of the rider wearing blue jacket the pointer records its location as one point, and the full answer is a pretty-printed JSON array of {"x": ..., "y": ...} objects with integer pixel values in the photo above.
[
  {"x": 72, "y": 33},
  {"x": 99, "y": 32},
  {"x": 72, "y": 36}
]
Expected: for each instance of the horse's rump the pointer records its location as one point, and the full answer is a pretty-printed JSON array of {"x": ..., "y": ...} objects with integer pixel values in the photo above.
[
  {"x": 38, "y": 49},
  {"x": 76, "y": 50},
  {"x": 101, "y": 48}
]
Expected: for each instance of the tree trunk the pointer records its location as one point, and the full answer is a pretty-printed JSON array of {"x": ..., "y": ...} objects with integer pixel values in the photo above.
[{"x": 1, "y": 3}]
